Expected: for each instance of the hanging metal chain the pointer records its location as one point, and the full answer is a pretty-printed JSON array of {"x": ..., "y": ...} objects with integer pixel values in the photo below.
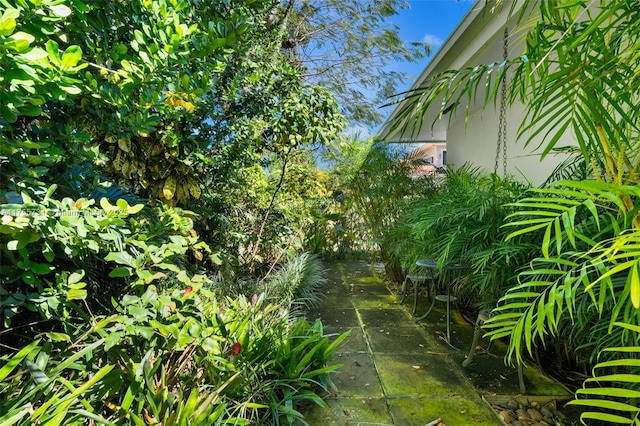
[{"x": 502, "y": 118}]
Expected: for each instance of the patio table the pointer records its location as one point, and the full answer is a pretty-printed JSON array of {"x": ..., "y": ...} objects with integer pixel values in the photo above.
[
  {"x": 417, "y": 279},
  {"x": 450, "y": 269}
]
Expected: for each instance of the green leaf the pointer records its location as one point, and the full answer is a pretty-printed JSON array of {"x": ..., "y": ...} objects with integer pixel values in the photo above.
[
  {"x": 47, "y": 251},
  {"x": 8, "y": 21},
  {"x": 8, "y": 114},
  {"x": 146, "y": 332},
  {"x": 122, "y": 203},
  {"x": 34, "y": 54},
  {"x": 17, "y": 359},
  {"x": 20, "y": 241},
  {"x": 14, "y": 419},
  {"x": 31, "y": 111},
  {"x": 122, "y": 258},
  {"x": 634, "y": 285},
  {"x": 71, "y": 56},
  {"x": 121, "y": 271},
  {"x": 55, "y": 337},
  {"x": 60, "y": 10},
  {"x": 53, "y": 53},
  {"x": 76, "y": 294},
  {"x": 19, "y": 45},
  {"x": 136, "y": 208},
  {"x": 112, "y": 339},
  {"x": 37, "y": 374},
  {"x": 72, "y": 90},
  {"x": 41, "y": 268},
  {"x": 75, "y": 277}
]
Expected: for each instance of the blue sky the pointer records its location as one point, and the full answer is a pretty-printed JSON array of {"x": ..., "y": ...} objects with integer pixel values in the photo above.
[
  {"x": 431, "y": 21},
  {"x": 426, "y": 20}
]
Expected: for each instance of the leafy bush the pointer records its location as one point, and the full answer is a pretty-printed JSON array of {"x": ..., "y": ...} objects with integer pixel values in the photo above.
[
  {"x": 461, "y": 222},
  {"x": 57, "y": 253},
  {"x": 175, "y": 357}
]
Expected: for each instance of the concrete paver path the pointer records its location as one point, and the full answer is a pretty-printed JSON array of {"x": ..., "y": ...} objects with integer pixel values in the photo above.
[{"x": 399, "y": 372}]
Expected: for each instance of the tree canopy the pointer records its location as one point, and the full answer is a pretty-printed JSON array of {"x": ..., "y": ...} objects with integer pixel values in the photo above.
[{"x": 344, "y": 46}]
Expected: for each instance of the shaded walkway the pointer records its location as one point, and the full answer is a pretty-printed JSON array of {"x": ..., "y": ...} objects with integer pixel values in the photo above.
[{"x": 399, "y": 372}]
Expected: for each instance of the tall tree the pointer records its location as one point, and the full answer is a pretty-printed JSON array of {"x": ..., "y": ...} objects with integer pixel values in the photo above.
[{"x": 345, "y": 46}]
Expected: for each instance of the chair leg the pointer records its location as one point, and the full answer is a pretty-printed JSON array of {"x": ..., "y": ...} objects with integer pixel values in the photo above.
[
  {"x": 404, "y": 289},
  {"x": 416, "y": 289},
  {"x": 423, "y": 316},
  {"x": 474, "y": 343}
]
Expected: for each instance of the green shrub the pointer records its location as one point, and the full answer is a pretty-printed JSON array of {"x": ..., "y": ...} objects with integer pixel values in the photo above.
[
  {"x": 175, "y": 357},
  {"x": 172, "y": 352},
  {"x": 58, "y": 253}
]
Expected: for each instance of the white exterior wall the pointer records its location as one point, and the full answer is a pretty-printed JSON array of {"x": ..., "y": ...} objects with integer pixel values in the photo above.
[
  {"x": 479, "y": 40},
  {"x": 477, "y": 143}
]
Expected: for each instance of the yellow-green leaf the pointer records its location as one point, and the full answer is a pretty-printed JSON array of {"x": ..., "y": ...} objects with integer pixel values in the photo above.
[
  {"x": 124, "y": 144},
  {"x": 169, "y": 188},
  {"x": 634, "y": 285},
  {"x": 8, "y": 21},
  {"x": 105, "y": 204},
  {"x": 71, "y": 56}
]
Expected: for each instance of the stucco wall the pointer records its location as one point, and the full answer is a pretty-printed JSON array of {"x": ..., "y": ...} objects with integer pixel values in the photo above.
[{"x": 477, "y": 143}]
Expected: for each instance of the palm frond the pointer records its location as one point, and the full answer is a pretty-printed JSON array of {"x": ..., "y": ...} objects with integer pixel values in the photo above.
[{"x": 614, "y": 385}]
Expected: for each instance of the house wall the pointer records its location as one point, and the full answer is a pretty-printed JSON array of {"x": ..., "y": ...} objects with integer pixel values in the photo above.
[
  {"x": 474, "y": 140},
  {"x": 477, "y": 40},
  {"x": 477, "y": 144}
]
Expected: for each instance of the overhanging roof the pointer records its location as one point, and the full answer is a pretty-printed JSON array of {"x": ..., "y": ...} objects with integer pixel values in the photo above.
[{"x": 474, "y": 33}]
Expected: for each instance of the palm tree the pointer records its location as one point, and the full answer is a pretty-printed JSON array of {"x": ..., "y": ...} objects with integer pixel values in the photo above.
[{"x": 579, "y": 75}]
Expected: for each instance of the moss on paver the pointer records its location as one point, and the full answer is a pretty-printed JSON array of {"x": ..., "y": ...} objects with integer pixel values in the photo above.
[
  {"x": 410, "y": 374},
  {"x": 399, "y": 339},
  {"x": 452, "y": 410},
  {"x": 351, "y": 412},
  {"x": 358, "y": 376},
  {"x": 400, "y": 372},
  {"x": 382, "y": 318}
]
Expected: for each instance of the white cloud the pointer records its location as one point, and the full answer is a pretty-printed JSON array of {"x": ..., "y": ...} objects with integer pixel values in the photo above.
[{"x": 432, "y": 40}]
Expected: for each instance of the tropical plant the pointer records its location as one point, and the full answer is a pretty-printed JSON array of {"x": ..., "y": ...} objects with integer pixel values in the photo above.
[
  {"x": 297, "y": 284},
  {"x": 171, "y": 357},
  {"x": 373, "y": 180},
  {"x": 578, "y": 76},
  {"x": 459, "y": 221}
]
